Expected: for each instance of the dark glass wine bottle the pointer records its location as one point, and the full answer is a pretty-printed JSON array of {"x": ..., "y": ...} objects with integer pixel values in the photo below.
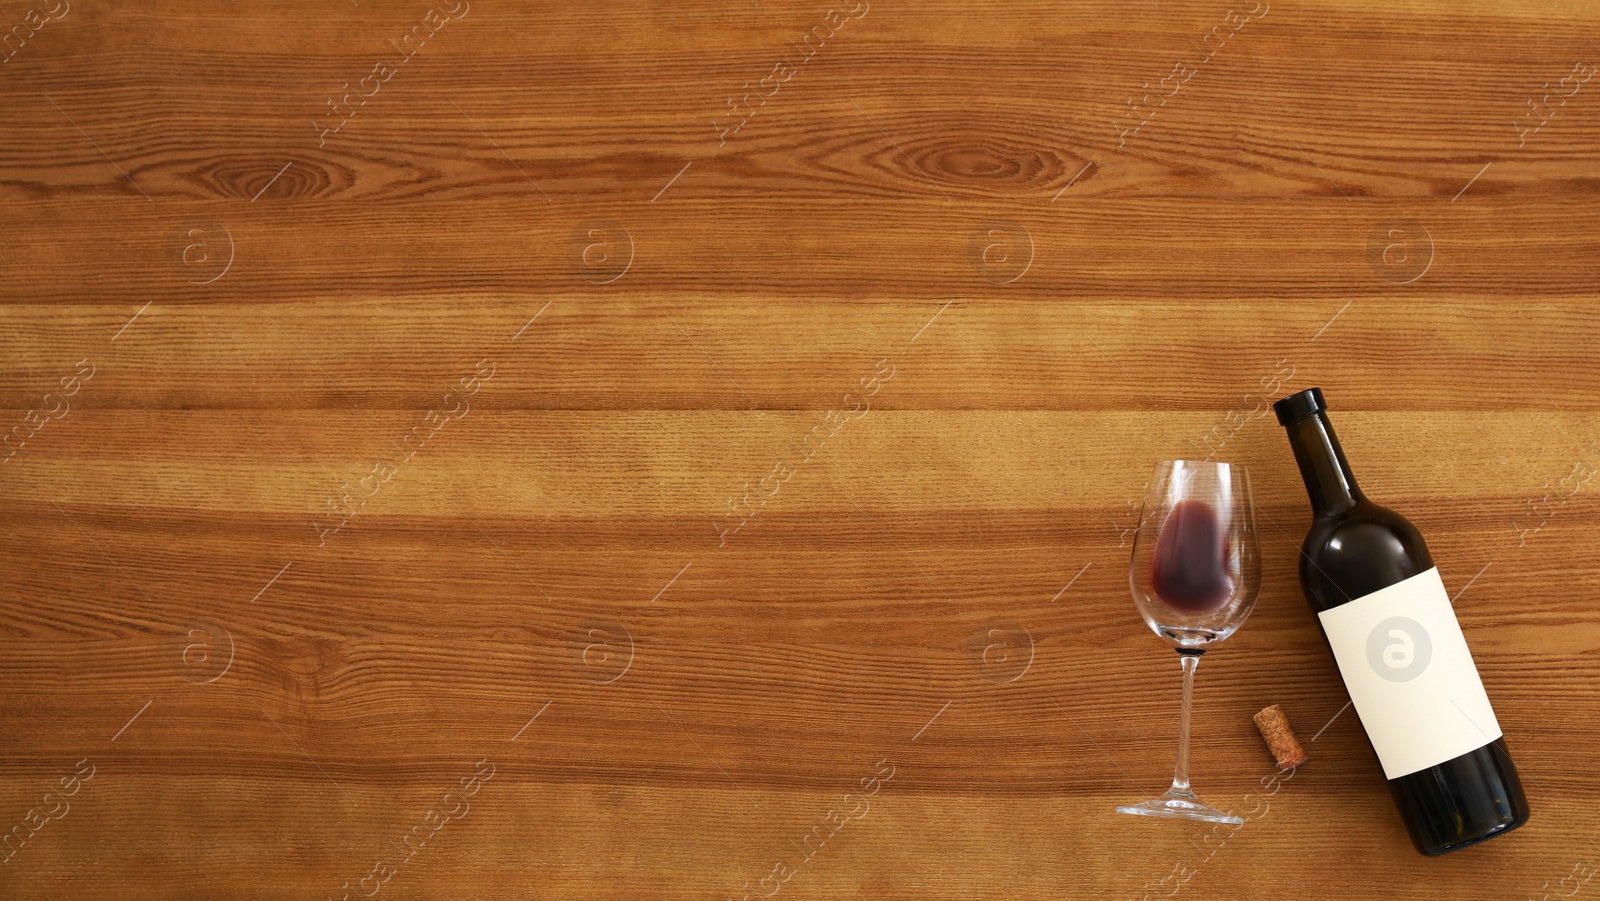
[{"x": 1388, "y": 621}]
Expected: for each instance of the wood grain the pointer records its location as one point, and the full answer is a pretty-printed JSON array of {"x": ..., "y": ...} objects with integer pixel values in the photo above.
[{"x": 542, "y": 629}]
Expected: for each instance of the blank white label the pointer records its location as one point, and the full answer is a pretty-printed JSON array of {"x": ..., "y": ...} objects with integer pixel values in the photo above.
[{"x": 1408, "y": 670}]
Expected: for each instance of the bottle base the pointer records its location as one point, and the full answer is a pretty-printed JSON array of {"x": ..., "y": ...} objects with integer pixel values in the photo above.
[
  {"x": 1478, "y": 840},
  {"x": 1462, "y": 802}
]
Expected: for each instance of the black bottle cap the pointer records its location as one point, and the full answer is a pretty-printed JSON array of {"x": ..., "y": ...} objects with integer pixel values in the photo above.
[{"x": 1297, "y": 407}]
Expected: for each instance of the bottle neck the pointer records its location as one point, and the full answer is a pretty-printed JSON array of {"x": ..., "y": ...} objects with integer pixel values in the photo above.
[{"x": 1329, "y": 483}]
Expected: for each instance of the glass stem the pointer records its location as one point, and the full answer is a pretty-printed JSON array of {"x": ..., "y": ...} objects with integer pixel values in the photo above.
[{"x": 1180, "y": 776}]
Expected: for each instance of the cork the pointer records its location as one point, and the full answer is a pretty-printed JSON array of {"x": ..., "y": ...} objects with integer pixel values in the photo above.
[{"x": 1280, "y": 738}]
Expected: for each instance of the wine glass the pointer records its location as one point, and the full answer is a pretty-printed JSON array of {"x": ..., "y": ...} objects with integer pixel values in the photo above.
[{"x": 1195, "y": 573}]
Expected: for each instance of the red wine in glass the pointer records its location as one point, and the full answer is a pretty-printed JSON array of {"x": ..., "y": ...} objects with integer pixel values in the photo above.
[{"x": 1189, "y": 568}]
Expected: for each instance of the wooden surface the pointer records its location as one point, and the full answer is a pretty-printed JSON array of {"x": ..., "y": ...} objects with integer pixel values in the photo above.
[{"x": 944, "y": 251}]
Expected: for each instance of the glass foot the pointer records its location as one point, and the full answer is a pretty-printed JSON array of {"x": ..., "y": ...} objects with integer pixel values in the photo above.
[{"x": 1179, "y": 806}]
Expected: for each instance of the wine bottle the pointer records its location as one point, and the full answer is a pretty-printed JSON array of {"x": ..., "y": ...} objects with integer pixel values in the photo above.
[{"x": 1388, "y": 621}]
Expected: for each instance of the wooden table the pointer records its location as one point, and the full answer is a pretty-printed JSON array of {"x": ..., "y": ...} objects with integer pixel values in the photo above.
[{"x": 635, "y": 451}]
